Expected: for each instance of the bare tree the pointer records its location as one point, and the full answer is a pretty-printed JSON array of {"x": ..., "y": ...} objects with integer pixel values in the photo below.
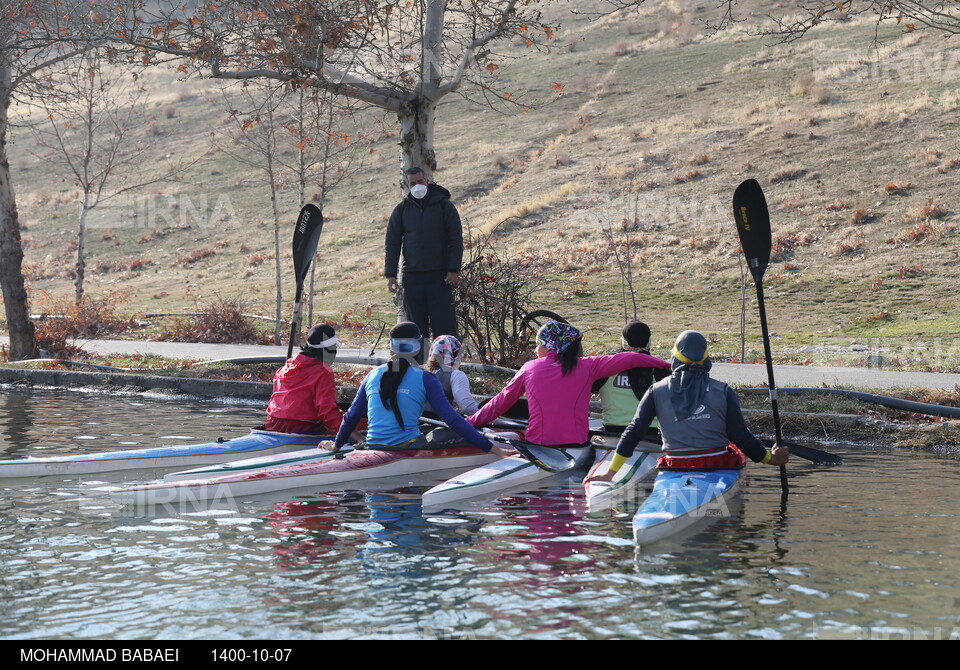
[
  {"x": 622, "y": 244},
  {"x": 255, "y": 142},
  {"x": 788, "y": 22},
  {"x": 395, "y": 54},
  {"x": 326, "y": 130},
  {"x": 274, "y": 119},
  {"x": 92, "y": 110},
  {"x": 34, "y": 36}
]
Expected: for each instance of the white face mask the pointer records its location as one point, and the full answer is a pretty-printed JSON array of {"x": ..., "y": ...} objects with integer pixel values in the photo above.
[{"x": 418, "y": 191}]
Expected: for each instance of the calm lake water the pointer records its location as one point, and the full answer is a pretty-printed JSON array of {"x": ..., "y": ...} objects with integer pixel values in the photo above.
[{"x": 870, "y": 549}]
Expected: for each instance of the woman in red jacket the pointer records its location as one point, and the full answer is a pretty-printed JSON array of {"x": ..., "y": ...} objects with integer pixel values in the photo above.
[{"x": 304, "y": 396}]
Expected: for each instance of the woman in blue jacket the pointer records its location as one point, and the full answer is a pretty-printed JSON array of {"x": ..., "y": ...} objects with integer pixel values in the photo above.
[{"x": 392, "y": 397}]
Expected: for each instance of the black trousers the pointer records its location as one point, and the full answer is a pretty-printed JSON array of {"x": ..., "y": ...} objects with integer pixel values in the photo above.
[{"x": 428, "y": 302}]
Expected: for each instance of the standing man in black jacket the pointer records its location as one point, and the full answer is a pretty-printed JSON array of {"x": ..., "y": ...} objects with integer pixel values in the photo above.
[{"x": 425, "y": 228}]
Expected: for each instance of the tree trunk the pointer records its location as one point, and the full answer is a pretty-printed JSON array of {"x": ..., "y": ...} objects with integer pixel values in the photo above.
[
  {"x": 23, "y": 343},
  {"x": 417, "y": 116},
  {"x": 278, "y": 316},
  {"x": 81, "y": 266}
]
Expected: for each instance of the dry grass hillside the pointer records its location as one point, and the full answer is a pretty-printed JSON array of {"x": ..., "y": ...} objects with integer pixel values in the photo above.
[{"x": 656, "y": 123}]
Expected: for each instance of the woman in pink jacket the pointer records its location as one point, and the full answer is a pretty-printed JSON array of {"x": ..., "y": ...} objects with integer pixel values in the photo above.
[{"x": 557, "y": 385}]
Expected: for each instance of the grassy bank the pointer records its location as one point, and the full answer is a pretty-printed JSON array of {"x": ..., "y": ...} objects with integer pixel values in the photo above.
[{"x": 654, "y": 126}]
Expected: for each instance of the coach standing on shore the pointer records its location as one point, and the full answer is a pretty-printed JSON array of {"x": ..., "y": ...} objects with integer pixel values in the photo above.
[{"x": 425, "y": 229}]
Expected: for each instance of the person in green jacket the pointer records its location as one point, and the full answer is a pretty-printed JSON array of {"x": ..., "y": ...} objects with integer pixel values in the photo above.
[{"x": 620, "y": 394}]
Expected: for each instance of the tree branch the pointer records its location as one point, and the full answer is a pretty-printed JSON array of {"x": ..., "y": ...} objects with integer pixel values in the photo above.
[{"x": 471, "y": 49}]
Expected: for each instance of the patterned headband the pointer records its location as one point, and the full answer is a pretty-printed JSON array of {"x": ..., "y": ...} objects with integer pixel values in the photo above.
[
  {"x": 558, "y": 336},
  {"x": 448, "y": 347}
]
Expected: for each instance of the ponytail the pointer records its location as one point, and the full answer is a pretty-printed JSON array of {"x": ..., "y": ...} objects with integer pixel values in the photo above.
[
  {"x": 390, "y": 383},
  {"x": 570, "y": 356},
  {"x": 405, "y": 343}
]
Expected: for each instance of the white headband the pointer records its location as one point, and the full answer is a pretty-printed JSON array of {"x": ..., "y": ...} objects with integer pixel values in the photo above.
[{"x": 323, "y": 345}]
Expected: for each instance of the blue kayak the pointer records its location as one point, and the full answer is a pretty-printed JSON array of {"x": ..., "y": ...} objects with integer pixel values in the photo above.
[
  {"x": 681, "y": 499},
  {"x": 257, "y": 443}
]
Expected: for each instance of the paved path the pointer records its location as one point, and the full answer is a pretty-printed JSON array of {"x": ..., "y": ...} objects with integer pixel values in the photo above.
[{"x": 740, "y": 374}]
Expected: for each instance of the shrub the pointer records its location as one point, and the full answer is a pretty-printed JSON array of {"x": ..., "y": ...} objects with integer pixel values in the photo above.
[
  {"x": 897, "y": 189},
  {"x": 64, "y": 320},
  {"x": 926, "y": 212},
  {"x": 140, "y": 264},
  {"x": 258, "y": 259},
  {"x": 784, "y": 245},
  {"x": 787, "y": 174},
  {"x": 690, "y": 175},
  {"x": 193, "y": 257},
  {"x": 221, "y": 321},
  {"x": 917, "y": 234},
  {"x": 848, "y": 246},
  {"x": 820, "y": 94},
  {"x": 622, "y": 47},
  {"x": 802, "y": 85},
  {"x": 911, "y": 271},
  {"x": 861, "y": 215},
  {"x": 494, "y": 295},
  {"x": 951, "y": 164}
]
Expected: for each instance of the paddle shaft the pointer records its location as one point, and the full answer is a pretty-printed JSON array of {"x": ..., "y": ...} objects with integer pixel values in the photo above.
[
  {"x": 295, "y": 321},
  {"x": 778, "y": 431}
]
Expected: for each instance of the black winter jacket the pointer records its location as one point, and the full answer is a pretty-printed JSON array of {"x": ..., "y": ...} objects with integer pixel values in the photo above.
[{"x": 427, "y": 232}]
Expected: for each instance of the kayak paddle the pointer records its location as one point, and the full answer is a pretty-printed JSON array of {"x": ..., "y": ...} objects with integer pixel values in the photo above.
[
  {"x": 753, "y": 224},
  {"x": 306, "y": 236},
  {"x": 545, "y": 457}
]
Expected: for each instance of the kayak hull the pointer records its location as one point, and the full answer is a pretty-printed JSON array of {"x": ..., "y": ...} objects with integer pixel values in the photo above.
[
  {"x": 333, "y": 470},
  {"x": 632, "y": 480},
  {"x": 257, "y": 443},
  {"x": 249, "y": 465},
  {"x": 682, "y": 499},
  {"x": 493, "y": 477}
]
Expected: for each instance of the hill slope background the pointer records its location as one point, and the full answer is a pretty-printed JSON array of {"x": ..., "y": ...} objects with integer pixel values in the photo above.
[{"x": 854, "y": 142}]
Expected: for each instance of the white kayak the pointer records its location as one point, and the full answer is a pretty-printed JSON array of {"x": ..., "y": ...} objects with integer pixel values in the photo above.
[
  {"x": 249, "y": 465},
  {"x": 257, "y": 443},
  {"x": 344, "y": 467},
  {"x": 496, "y": 476},
  {"x": 631, "y": 480},
  {"x": 681, "y": 499}
]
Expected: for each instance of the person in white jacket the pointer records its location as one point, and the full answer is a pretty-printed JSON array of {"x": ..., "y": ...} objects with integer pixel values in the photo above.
[{"x": 443, "y": 361}]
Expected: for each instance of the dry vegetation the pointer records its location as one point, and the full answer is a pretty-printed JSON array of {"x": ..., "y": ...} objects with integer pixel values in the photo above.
[{"x": 655, "y": 124}]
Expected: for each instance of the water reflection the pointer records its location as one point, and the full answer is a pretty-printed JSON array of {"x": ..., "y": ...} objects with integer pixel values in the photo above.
[
  {"x": 48, "y": 422},
  {"x": 14, "y": 432},
  {"x": 869, "y": 549}
]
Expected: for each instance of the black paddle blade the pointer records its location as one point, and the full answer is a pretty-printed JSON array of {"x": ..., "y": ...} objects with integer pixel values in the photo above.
[
  {"x": 753, "y": 225},
  {"x": 550, "y": 459},
  {"x": 306, "y": 236},
  {"x": 815, "y": 456}
]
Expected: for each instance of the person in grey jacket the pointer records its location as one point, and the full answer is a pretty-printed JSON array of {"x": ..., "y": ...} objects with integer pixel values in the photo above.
[
  {"x": 700, "y": 419},
  {"x": 425, "y": 230}
]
